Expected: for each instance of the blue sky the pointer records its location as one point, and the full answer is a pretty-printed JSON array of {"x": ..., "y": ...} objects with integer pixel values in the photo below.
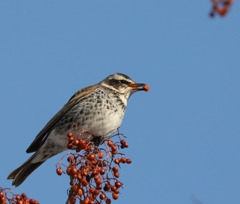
[{"x": 183, "y": 135}]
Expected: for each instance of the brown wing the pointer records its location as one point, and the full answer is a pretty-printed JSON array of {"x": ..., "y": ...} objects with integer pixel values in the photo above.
[{"x": 43, "y": 134}]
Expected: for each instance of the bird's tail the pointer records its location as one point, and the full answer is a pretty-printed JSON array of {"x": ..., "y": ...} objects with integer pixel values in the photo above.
[{"x": 22, "y": 172}]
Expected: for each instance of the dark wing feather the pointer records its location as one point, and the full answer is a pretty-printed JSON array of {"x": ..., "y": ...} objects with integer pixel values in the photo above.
[{"x": 43, "y": 134}]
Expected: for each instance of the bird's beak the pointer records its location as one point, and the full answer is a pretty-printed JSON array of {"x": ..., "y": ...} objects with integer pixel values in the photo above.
[{"x": 139, "y": 87}]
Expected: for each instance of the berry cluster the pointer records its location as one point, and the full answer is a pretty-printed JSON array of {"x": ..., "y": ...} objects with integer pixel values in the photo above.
[
  {"x": 14, "y": 199},
  {"x": 93, "y": 171},
  {"x": 220, "y": 7}
]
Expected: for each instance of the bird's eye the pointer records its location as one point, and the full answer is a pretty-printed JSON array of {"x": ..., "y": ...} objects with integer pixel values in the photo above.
[{"x": 124, "y": 82}]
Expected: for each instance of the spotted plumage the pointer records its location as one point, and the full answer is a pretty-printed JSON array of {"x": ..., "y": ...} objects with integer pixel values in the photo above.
[{"x": 99, "y": 109}]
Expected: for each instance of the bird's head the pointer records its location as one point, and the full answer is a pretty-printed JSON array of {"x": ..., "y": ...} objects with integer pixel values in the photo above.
[{"x": 123, "y": 84}]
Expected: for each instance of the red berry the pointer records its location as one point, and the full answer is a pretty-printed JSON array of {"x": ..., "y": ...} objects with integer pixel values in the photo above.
[
  {"x": 108, "y": 201},
  {"x": 146, "y": 87},
  {"x": 118, "y": 184},
  {"x": 115, "y": 169},
  {"x": 122, "y": 142},
  {"x": 69, "y": 134},
  {"x": 125, "y": 145},
  {"x": 107, "y": 187},
  {"x": 102, "y": 171},
  {"x": 117, "y": 160},
  {"x": 80, "y": 192},
  {"x": 59, "y": 172},
  {"x": 110, "y": 143},
  {"x": 99, "y": 187},
  {"x": 69, "y": 145},
  {"x": 115, "y": 196},
  {"x": 129, "y": 161},
  {"x": 123, "y": 160},
  {"x": 84, "y": 182},
  {"x": 1, "y": 194},
  {"x": 76, "y": 142},
  {"x": 113, "y": 188},
  {"x": 102, "y": 196},
  {"x": 100, "y": 155},
  {"x": 91, "y": 156},
  {"x": 116, "y": 174}
]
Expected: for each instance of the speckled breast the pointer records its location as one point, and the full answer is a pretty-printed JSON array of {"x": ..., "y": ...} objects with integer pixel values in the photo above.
[{"x": 101, "y": 113}]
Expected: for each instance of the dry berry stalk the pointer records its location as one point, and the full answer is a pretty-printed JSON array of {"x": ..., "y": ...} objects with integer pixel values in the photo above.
[
  {"x": 93, "y": 171},
  {"x": 220, "y": 7},
  {"x": 7, "y": 196}
]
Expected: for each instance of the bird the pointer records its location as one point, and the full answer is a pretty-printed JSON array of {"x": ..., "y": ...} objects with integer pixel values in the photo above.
[{"x": 99, "y": 109}]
